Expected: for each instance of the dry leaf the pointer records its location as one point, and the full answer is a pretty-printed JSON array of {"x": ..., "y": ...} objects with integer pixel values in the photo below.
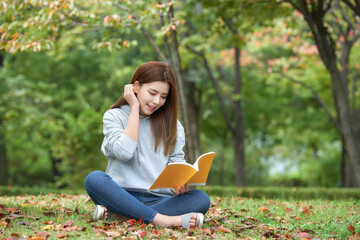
[
  {"x": 306, "y": 210},
  {"x": 112, "y": 233},
  {"x": 222, "y": 229},
  {"x": 351, "y": 228},
  {"x": 263, "y": 209},
  {"x": 48, "y": 227}
]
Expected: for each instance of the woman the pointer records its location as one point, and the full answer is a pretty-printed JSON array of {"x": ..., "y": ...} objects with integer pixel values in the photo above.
[{"x": 141, "y": 136}]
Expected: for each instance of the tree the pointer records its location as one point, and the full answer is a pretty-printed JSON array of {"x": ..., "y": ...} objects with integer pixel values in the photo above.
[
  {"x": 37, "y": 25},
  {"x": 4, "y": 173},
  {"x": 335, "y": 31},
  {"x": 227, "y": 31}
]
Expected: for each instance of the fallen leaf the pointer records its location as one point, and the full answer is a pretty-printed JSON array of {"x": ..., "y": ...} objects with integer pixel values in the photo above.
[
  {"x": 249, "y": 218},
  {"x": 112, "y": 233},
  {"x": 156, "y": 232},
  {"x": 13, "y": 216},
  {"x": 3, "y": 223},
  {"x": 302, "y": 235},
  {"x": 206, "y": 230},
  {"x": 306, "y": 210},
  {"x": 14, "y": 236},
  {"x": 222, "y": 229},
  {"x": 36, "y": 238},
  {"x": 68, "y": 223},
  {"x": 263, "y": 209},
  {"x": 48, "y": 213},
  {"x": 271, "y": 234},
  {"x": 61, "y": 235},
  {"x": 131, "y": 221},
  {"x": 23, "y": 223},
  {"x": 48, "y": 227},
  {"x": 43, "y": 234},
  {"x": 142, "y": 233},
  {"x": 351, "y": 228}
]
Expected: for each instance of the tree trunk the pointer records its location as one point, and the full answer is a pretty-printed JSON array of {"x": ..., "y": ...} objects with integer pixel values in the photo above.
[
  {"x": 238, "y": 131},
  {"x": 183, "y": 106},
  {"x": 347, "y": 122},
  {"x": 193, "y": 109},
  {"x": 344, "y": 165},
  {"x": 4, "y": 170}
]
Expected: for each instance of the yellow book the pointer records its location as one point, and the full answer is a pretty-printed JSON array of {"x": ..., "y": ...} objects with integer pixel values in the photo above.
[{"x": 177, "y": 174}]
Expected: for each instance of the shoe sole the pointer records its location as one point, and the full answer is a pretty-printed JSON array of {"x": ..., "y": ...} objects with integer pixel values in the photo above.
[
  {"x": 199, "y": 219},
  {"x": 98, "y": 212}
]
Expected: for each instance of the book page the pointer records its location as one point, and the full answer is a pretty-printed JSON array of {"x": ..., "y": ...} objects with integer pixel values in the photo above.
[
  {"x": 204, "y": 163},
  {"x": 174, "y": 174}
]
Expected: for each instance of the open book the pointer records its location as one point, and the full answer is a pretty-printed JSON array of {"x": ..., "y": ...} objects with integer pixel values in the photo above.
[{"x": 177, "y": 174}]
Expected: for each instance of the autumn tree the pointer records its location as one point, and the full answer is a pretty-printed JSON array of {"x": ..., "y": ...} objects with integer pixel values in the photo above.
[
  {"x": 335, "y": 29},
  {"x": 36, "y": 26}
]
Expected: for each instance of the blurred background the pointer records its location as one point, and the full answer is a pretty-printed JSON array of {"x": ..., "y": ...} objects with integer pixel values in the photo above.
[{"x": 271, "y": 86}]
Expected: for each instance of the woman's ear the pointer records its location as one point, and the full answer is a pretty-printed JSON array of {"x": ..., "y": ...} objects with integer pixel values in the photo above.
[{"x": 136, "y": 86}]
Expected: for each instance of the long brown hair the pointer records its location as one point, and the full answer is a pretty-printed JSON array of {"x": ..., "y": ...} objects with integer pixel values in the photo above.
[{"x": 163, "y": 121}]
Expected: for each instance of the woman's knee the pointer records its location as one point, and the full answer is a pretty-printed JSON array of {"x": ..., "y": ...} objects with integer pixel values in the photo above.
[
  {"x": 203, "y": 200},
  {"x": 93, "y": 178}
]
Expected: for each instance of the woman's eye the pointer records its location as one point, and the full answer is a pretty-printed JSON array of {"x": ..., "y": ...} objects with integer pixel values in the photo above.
[{"x": 152, "y": 93}]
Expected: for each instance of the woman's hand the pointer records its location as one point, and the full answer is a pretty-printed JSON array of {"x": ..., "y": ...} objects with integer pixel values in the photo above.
[
  {"x": 130, "y": 97},
  {"x": 179, "y": 191}
]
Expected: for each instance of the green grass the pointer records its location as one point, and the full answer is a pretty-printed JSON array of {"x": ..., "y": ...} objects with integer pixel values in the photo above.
[{"x": 57, "y": 216}]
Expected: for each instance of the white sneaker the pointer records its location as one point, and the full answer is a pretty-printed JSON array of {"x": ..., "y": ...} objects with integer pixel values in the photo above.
[{"x": 98, "y": 212}]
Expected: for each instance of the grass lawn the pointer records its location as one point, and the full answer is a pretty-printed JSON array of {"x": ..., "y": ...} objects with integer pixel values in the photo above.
[{"x": 61, "y": 216}]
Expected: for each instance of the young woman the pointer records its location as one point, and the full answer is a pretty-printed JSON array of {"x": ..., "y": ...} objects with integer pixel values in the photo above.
[{"x": 143, "y": 135}]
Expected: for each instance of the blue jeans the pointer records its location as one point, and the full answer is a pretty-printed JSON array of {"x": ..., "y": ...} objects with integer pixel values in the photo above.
[{"x": 104, "y": 191}]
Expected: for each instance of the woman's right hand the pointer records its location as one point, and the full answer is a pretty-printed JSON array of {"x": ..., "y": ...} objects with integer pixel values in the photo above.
[{"x": 129, "y": 95}]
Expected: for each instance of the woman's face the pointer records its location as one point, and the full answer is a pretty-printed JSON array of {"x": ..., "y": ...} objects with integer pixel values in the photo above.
[{"x": 151, "y": 96}]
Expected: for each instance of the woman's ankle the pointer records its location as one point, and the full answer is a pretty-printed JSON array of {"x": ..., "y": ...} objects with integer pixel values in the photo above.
[
  {"x": 175, "y": 221},
  {"x": 167, "y": 221}
]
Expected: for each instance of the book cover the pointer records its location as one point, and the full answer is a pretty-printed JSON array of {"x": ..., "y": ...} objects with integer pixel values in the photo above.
[{"x": 178, "y": 174}]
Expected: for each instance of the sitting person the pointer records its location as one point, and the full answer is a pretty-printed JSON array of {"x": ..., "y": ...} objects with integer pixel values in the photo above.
[{"x": 141, "y": 136}]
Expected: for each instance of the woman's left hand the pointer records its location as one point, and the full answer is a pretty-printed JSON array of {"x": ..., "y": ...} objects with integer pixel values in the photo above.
[{"x": 179, "y": 191}]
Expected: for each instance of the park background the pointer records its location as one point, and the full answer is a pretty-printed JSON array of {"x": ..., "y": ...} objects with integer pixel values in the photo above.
[{"x": 271, "y": 86}]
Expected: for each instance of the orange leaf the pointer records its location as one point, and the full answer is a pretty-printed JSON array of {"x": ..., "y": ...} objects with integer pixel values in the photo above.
[
  {"x": 207, "y": 230},
  {"x": 132, "y": 221},
  {"x": 263, "y": 209},
  {"x": 222, "y": 229},
  {"x": 36, "y": 238},
  {"x": 342, "y": 38},
  {"x": 125, "y": 43},
  {"x": 15, "y": 36},
  {"x": 305, "y": 210}
]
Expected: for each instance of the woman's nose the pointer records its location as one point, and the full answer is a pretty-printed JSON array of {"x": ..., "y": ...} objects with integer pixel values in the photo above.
[{"x": 156, "y": 99}]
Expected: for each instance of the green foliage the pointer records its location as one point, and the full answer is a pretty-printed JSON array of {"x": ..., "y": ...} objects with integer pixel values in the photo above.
[{"x": 52, "y": 102}]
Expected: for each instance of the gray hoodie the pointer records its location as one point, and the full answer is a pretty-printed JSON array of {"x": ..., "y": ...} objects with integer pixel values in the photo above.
[{"x": 135, "y": 165}]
